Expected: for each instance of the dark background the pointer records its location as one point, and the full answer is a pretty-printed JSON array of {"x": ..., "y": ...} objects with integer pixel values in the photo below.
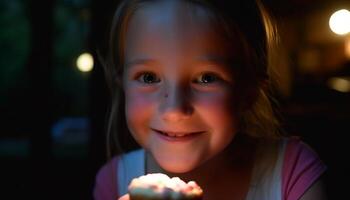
[{"x": 52, "y": 116}]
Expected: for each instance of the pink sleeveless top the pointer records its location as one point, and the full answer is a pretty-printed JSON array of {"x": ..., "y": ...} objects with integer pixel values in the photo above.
[{"x": 296, "y": 169}]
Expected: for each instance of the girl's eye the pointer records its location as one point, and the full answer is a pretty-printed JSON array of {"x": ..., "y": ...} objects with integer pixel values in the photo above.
[
  {"x": 207, "y": 78},
  {"x": 148, "y": 78}
]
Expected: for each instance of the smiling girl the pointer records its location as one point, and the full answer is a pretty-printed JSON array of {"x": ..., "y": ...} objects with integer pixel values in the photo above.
[{"x": 190, "y": 82}]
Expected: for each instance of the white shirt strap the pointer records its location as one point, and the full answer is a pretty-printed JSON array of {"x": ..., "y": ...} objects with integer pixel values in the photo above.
[
  {"x": 130, "y": 165},
  {"x": 270, "y": 187}
]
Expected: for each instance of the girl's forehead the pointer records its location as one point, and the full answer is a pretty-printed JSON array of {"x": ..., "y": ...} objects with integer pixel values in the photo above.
[
  {"x": 177, "y": 14},
  {"x": 173, "y": 25}
]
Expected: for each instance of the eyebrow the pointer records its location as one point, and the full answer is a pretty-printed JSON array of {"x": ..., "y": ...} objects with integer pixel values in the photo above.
[
  {"x": 213, "y": 59},
  {"x": 216, "y": 60},
  {"x": 140, "y": 61}
]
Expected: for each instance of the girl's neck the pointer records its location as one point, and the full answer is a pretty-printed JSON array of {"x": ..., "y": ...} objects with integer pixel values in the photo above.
[{"x": 229, "y": 163}]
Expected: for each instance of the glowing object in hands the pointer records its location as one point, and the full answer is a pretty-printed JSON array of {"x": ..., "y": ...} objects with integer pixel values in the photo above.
[{"x": 160, "y": 186}]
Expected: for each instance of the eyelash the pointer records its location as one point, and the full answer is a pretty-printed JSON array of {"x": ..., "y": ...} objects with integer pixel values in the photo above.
[
  {"x": 211, "y": 75},
  {"x": 141, "y": 75}
]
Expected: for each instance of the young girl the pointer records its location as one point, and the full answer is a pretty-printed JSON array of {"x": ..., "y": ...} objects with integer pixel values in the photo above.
[{"x": 190, "y": 82}]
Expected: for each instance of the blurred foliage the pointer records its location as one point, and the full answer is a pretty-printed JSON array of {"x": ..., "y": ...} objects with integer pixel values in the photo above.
[
  {"x": 71, "y": 30},
  {"x": 71, "y": 19},
  {"x": 14, "y": 45}
]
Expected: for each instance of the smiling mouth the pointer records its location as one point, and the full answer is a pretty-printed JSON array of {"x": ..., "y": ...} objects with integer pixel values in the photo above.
[{"x": 177, "y": 134}]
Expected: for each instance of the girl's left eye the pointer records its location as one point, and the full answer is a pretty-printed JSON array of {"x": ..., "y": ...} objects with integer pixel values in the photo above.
[
  {"x": 207, "y": 78},
  {"x": 148, "y": 78}
]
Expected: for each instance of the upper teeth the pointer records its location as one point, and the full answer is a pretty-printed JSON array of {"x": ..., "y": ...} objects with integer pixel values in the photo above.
[{"x": 174, "y": 134}]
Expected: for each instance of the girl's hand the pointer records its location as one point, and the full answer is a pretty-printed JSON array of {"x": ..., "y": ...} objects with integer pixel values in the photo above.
[{"x": 124, "y": 197}]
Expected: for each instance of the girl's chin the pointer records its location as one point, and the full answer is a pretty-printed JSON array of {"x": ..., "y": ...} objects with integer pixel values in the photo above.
[
  {"x": 177, "y": 168},
  {"x": 177, "y": 165}
]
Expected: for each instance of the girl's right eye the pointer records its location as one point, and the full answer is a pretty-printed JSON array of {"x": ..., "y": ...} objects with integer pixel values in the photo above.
[{"x": 147, "y": 78}]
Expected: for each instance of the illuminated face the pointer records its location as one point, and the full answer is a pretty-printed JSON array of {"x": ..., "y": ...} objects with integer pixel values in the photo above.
[{"x": 178, "y": 86}]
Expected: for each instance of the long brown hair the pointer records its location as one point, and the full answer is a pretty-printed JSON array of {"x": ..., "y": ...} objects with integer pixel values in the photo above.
[{"x": 246, "y": 20}]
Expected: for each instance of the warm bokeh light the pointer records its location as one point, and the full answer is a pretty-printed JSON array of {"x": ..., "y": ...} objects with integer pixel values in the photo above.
[
  {"x": 340, "y": 84},
  {"x": 85, "y": 62},
  {"x": 339, "y": 22},
  {"x": 347, "y": 48}
]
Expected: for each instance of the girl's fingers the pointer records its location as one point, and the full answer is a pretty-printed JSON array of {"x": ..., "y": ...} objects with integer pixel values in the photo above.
[{"x": 124, "y": 197}]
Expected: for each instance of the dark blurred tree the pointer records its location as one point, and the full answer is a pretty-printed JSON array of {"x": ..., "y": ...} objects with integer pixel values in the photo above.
[
  {"x": 72, "y": 25},
  {"x": 14, "y": 46}
]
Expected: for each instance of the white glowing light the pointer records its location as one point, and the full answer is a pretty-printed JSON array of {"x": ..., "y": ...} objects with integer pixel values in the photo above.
[
  {"x": 85, "y": 62},
  {"x": 340, "y": 84},
  {"x": 339, "y": 22}
]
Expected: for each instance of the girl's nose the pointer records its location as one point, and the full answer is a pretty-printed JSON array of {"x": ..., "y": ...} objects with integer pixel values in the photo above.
[{"x": 175, "y": 105}]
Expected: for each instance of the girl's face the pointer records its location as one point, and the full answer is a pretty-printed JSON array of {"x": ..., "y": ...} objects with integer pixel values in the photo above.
[{"x": 178, "y": 85}]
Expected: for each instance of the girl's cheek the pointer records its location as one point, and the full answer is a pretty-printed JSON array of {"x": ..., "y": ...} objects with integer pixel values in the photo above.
[
  {"x": 138, "y": 111},
  {"x": 217, "y": 106},
  {"x": 221, "y": 99},
  {"x": 138, "y": 102}
]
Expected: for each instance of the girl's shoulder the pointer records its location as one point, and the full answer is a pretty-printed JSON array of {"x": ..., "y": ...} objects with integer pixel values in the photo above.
[
  {"x": 125, "y": 158},
  {"x": 299, "y": 155},
  {"x": 292, "y": 147},
  {"x": 284, "y": 169},
  {"x": 107, "y": 183},
  {"x": 302, "y": 166}
]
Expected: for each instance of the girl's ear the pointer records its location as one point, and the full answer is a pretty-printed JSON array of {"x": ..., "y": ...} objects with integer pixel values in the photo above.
[
  {"x": 252, "y": 95},
  {"x": 249, "y": 99},
  {"x": 264, "y": 84},
  {"x": 118, "y": 79}
]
